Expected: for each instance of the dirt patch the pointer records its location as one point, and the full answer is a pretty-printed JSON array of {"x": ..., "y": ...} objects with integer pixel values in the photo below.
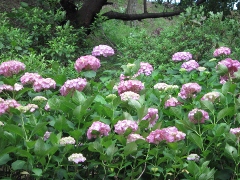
[{"x": 8, "y": 5}]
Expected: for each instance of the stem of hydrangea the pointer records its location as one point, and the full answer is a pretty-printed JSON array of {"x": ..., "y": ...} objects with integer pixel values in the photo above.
[{"x": 23, "y": 127}]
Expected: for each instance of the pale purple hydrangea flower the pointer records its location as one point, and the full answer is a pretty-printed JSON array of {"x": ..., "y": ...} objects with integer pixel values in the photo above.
[
  {"x": 71, "y": 85},
  {"x": 232, "y": 65},
  {"x": 235, "y": 131},
  {"x": 5, "y": 105},
  {"x": 169, "y": 134},
  {"x": 222, "y": 51},
  {"x": 134, "y": 137},
  {"x": 130, "y": 85},
  {"x": 87, "y": 62},
  {"x": 181, "y": 56},
  {"x": 102, "y": 50},
  {"x": 29, "y": 107},
  {"x": 189, "y": 90},
  {"x": 152, "y": 116},
  {"x": 5, "y": 87},
  {"x": 193, "y": 157},
  {"x": 123, "y": 125},
  {"x": 47, "y": 107},
  {"x": 67, "y": 140},
  {"x": 128, "y": 95},
  {"x": 190, "y": 65},
  {"x": 17, "y": 87},
  {"x": 145, "y": 68},
  {"x": 192, "y": 113},
  {"x": 172, "y": 102},
  {"x": 76, "y": 157},
  {"x": 12, "y": 67},
  {"x": 123, "y": 77},
  {"x": 44, "y": 83},
  {"x": 29, "y": 78},
  {"x": 211, "y": 96},
  {"x": 102, "y": 128},
  {"x": 46, "y": 135}
]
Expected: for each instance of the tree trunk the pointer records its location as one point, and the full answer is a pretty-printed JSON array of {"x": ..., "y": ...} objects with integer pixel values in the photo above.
[
  {"x": 144, "y": 6},
  {"x": 131, "y": 9}
]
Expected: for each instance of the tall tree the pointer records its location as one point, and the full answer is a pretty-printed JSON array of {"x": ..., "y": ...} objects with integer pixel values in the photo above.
[{"x": 85, "y": 16}]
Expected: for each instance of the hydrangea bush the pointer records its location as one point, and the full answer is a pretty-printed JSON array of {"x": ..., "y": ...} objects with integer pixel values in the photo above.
[{"x": 180, "y": 125}]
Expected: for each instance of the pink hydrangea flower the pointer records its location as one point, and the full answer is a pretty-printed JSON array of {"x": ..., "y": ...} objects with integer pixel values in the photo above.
[
  {"x": 180, "y": 56},
  {"x": 134, "y": 137},
  {"x": 46, "y": 135},
  {"x": 44, "y": 83},
  {"x": 29, "y": 78},
  {"x": 211, "y": 96},
  {"x": 102, "y": 50},
  {"x": 126, "y": 96},
  {"x": 123, "y": 125},
  {"x": 152, "y": 116},
  {"x": 222, "y": 51},
  {"x": 12, "y": 67},
  {"x": 5, "y": 105},
  {"x": 235, "y": 131},
  {"x": 5, "y": 87},
  {"x": 130, "y": 85},
  {"x": 87, "y": 62},
  {"x": 232, "y": 65},
  {"x": 193, "y": 119},
  {"x": 71, "y": 85},
  {"x": 102, "y": 128},
  {"x": 76, "y": 157},
  {"x": 123, "y": 77},
  {"x": 17, "y": 87},
  {"x": 189, "y": 90},
  {"x": 172, "y": 102},
  {"x": 190, "y": 65},
  {"x": 145, "y": 68},
  {"x": 169, "y": 134}
]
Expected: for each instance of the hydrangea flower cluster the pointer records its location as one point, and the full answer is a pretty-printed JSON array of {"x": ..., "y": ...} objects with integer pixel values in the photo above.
[
  {"x": 76, "y": 157},
  {"x": 169, "y": 134},
  {"x": 222, "y": 51},
  {"x": 134, "y": 137},
  {"x": 123, "y": 77},
  {"x": 12, "y": 67},
  {"x": 5, "y": 105},
  {"x": 29, "y": 107},
  {"x": 102, "y": 50},
  {"x": 46, "y": 135},
  {"x": 126, "y": 96},
  {"x": 152, "y": 116},
  {"x": 236, "y": 132},
  {"x": 29, "y": 78},
  {"x": 102, "y": 128},
  {"x": 67, "y": 140},
  {"x": 211, "y": 96},
  {"x": 123, "y": 125},
  {"x": 87, "y": 62},
  {"x": 5, "y": 87},
  {"x": 189, "y": 90},
  {"x": 164, "y": 87},
  {"x": 130, "y": 85},
  {"x": 71, "y": 85},
  {"x": 145, "y": 68},
  {"x": 190, "y": 65},
  {"x": 181, "y": 56},
  {"x": 193, "y": 119},
  {"x": 44, "y": 83},
  {"x": 232, "y": 65},
  {"x": 172, "y": 102},
  {"x": 193, "y": 157},
  {"x": 39, "y": 98}
]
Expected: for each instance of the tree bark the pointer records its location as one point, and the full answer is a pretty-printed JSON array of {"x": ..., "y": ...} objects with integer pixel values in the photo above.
[
  {"x": 131, "y": 9},
  {"x": 144, "y": 6}
]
